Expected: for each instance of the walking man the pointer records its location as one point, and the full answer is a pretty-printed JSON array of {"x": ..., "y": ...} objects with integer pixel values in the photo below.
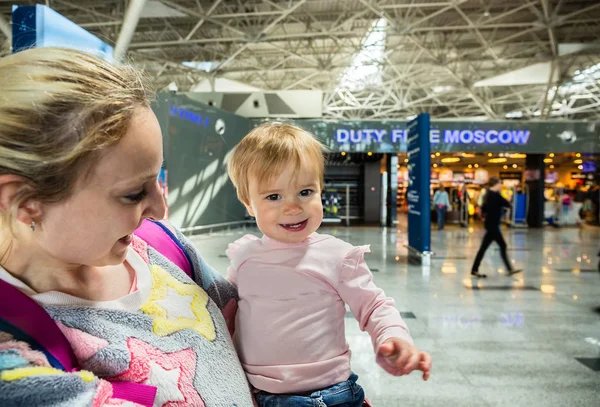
[{"x": 492, "y": 208}]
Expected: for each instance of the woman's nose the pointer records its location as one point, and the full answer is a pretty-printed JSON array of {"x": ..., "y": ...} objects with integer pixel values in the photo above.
[{"x": 157, "y": 207}]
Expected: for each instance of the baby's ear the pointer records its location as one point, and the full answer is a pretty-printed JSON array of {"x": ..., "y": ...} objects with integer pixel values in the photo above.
[{"x": 249, "y": 208}]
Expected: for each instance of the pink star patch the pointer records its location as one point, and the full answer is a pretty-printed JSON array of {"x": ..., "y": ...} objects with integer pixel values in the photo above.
[
  {"x": 172, "y": 374},
  {"x": 84, "y": 345}
]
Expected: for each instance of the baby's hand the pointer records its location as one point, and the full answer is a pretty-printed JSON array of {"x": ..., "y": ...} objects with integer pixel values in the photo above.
[{"x": 399, "y": 358}]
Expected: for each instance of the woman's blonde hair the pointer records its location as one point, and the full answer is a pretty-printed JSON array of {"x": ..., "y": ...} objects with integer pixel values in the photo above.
[
  {"x": 268, "y": 149},
  {"x": 59, "y": 108}
]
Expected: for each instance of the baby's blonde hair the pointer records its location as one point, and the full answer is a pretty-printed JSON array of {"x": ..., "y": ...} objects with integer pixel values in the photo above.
[
  {"x": 267, "y": 150},
  {"x": 59, "y": 108}
]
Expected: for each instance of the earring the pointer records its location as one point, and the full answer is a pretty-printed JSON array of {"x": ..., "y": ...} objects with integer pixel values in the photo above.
[{"x": 32, "y": 226}]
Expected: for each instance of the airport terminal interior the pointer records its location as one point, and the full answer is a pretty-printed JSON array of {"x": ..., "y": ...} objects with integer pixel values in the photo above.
[{"x": 411, "y": 99}]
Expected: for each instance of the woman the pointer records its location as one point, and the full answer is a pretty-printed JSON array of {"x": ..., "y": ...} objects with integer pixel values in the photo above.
[
  {"x": 442, "y": 204},
  {"x": 80, "y": 152}
]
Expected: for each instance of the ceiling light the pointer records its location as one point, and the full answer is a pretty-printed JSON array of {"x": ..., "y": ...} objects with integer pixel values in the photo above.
[
  {"x": 468, "y": 155},
  {"x": 365, "y": 70},
  {"x": 450, "y": 160},
  {"x": 437, "y": 154},
  {"x": 476, "y": 165},
  {"x": 205, "y": 66},
  {"x": 580, "y": 167},
  {"x": 369, "y": 153},
  {"x": 470, "y": 165},
  {"x": 434, "y": 165},
  {"x": 497, "y": 160},
  {"x": 490, "y": 154},
  {"x": 515, "y": 165},
  {"x": 578, "y": 162},
  {"x": 343, "y": 153},
  {"x": 505, "y": 167},
  {"x": 518, "y": 155},
  {"x": 548, "y": 160},
  {"x": 552, "y": 167},
  {"x": 578, "y": 155},
  {"x": 514, "y": 115},
  {"x": 406, "y": 160},
  {"x": 551, "y": 154},
  {"x": 155, "y": 9},
  {"x": 442, "y": 89},
  {"x": 432, "y": 155}
]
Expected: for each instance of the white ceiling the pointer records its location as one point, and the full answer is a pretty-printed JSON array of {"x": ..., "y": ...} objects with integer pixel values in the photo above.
[{"x": 481, "y": 59}]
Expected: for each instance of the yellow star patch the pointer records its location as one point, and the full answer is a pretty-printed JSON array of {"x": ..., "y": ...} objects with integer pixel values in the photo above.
[{"x": 175, "y": 306}]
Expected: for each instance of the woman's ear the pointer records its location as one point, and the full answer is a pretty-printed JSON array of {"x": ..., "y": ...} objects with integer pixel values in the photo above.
[{"x": 11, "y": 187}]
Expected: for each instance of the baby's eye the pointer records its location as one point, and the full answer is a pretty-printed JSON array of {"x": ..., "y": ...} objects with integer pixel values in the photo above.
[
  {"x": 273, "y": 197},
  {"x": 306, "y": 192}
]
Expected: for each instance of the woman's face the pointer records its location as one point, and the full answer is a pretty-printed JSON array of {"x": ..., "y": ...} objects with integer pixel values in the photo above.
[{"x": 94, "y": 225}]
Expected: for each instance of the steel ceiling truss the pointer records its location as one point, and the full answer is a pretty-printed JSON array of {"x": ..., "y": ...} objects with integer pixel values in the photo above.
[{"x": 435, "y": 51}]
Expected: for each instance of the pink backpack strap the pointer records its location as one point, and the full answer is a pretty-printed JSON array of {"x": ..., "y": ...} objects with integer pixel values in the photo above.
[
  {"x": 27, "y": 321},
  {"x": 165, "y": 242},
  {"x": 30, "y": 323},
  {"x": 135, "y": 392}
]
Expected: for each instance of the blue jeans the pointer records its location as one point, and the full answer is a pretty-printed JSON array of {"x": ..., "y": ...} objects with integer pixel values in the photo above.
[
  {"x": 344, "y": 394},
  {"x": 441, "y": 216}
]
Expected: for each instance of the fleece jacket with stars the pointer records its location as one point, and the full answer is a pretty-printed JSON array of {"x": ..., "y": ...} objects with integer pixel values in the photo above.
[{"x": 171, "y": 332}]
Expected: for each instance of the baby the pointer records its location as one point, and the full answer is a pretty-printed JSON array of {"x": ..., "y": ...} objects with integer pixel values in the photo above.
[{"x": 294, "y": 283}]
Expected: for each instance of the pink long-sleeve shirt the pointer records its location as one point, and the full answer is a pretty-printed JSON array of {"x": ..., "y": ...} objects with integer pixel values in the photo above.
[{"x": 290, "y": 332}]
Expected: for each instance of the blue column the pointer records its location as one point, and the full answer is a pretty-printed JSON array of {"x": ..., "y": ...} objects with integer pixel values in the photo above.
[
  {"x": 419, "y": 172},
  {"x": 392, "y": 173}
]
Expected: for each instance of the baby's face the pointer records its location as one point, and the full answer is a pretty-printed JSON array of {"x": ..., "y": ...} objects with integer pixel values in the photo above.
[{"x": 289, "y": 208}]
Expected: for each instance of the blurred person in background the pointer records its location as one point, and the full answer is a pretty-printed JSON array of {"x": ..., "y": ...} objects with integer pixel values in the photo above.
[
  {"x": 442, "y": 205},
  {"x": 491, "y": 209}
]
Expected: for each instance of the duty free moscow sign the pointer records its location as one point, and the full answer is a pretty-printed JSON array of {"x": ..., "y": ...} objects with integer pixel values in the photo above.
[
  {"x": 460, "y": 136},
  {"x": 520, "y": 136}
]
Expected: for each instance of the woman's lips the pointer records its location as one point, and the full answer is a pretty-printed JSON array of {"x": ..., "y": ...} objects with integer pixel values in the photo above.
[{"x": 126, "y": 240}]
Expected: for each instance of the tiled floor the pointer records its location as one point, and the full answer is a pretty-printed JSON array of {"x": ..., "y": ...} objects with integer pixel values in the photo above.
[{"x": 495, "y": 342}]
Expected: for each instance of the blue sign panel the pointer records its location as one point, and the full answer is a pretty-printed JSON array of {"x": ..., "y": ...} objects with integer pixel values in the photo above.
[
  {"x": 419, "y": 215},
  {"x": 40, "y": 26},
  {"x": 520, "y": 208}
]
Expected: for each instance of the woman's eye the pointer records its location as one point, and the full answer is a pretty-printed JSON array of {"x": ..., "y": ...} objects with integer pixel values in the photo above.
[
  {"x": 306, "y": 192},
  {"x": 272, "y": 197},
  {"x": 136, "y": 197}
]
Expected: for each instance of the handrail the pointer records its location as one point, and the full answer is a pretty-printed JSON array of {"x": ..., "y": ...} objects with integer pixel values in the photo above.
[{"x": 216, "y": 225}]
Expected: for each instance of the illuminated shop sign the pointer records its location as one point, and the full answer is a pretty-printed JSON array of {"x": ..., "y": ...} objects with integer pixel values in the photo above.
[{"x": 436, "y": 136}]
